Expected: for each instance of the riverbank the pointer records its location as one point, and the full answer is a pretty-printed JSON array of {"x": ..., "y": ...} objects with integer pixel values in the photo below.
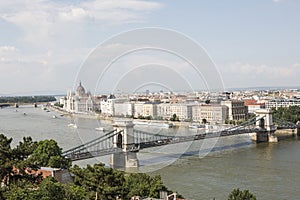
[{"x": 286, "y": 134}]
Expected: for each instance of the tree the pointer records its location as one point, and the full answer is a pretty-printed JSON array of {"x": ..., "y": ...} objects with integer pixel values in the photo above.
[
  {"x": 237, "y": 194},
  {"x": 98, "y": 180},
  {"x": 14, "y": 164},
  {"x": 6, "y": 161},
  {"x": 174, "y": 118},
  {"x": 25, "y": 148},
  {"x": 207, "y": 101},
  {"x": 57, "y": 104},
  {"x": 289, "y": 114},
  {"x": 49, "y": 154},
  {"x": 50, "y": 189},
  {"x": 75, "y": 192},
  {"x": 144, "y": 185},
  {"x": 90, "y": 182}
]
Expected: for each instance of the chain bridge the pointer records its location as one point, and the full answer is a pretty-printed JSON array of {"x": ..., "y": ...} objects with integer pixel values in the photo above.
[{"x": 124, "y": 141}]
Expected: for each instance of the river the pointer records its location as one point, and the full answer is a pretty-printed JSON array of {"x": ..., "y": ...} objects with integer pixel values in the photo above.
[{"x": 199, "y": 170}]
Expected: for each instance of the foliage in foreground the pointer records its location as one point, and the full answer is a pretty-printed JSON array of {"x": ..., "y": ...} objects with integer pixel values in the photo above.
[
  {"x": 108, "y": 183},
  {"x": 238, "y": 194},
  {"x": 89, "y": 183}
]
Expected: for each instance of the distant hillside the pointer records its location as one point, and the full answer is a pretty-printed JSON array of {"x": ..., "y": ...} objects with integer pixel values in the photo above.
[{"x": 27, "y": 99}]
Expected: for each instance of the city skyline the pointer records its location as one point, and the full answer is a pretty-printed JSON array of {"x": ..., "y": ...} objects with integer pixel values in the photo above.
[{"x": 44, "y": 43}]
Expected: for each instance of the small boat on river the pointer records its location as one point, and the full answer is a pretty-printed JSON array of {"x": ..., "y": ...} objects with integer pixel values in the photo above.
[{"x": 100, "y": 129}]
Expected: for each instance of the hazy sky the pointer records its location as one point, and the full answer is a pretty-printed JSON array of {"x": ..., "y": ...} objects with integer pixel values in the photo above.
[{"x": 43, "y": 44}]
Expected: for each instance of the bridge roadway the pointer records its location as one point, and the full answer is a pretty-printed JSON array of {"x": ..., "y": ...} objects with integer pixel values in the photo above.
[
  {"x": 104, "y": 145},
  {"x": 86, "y": 150}
]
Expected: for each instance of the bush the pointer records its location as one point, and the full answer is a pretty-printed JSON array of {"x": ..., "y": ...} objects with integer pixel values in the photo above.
[{"x": 238, "y": 194}]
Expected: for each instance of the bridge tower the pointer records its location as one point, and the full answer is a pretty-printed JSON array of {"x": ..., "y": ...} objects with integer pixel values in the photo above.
[
  {"x": 125, "y": 140},
  {"x": 264, "y": 121}
]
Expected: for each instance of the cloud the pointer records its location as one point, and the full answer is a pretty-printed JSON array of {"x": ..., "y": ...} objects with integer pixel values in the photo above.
[
  {"x": 53, "y": 12},
  {"x": 51, "y": 39},
  {"x": 46, "y": 23},
  {"x": 109, "y": 10},
  {"x": 277, "y": 1},
  {"x": 247, "y": 75},
  {"x": 40, "y": 71}
]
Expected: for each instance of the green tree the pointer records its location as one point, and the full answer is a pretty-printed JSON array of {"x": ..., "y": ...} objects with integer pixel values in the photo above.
[
  {"x": 75, "y": 192},
  {"x": 105, "y": 182},
  {"x": 288, "y": 114},
  {"x": 174, "y": 118},
  {"x": 24, "y": 190},
  {"x": 49, "y": 154},
  {"x": 50, "y": 189},
  {"x": 143, "y": 185},
  {"x": 25, "y": 148},
  {"x": 57, "y": 104},
  {"x": 238, "y": 194},
  {"x": 13, "y": 163},
  {"x": 6, "y": 162},
  {"x": 148, "y": 117}
]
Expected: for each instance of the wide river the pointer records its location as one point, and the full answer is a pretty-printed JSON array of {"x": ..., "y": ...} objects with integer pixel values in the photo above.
[{"x": 199, "y": 170}]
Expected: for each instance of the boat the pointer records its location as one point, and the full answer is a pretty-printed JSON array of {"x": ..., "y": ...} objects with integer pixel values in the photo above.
[
  {"x": 155, "y": 124},
  {"x": 72, "y": 125},
  {"x": 196, "y": 126},
  {"x": 100, "y": 129},
  {"x": 54, "y": 116}
]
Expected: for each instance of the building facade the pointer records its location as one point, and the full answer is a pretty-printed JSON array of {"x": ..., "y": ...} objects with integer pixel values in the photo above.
[
  {"x": 80, "y": 101},
  {"x": 108, "y": 105},
  {"x": 276, "y": 103},
  {"x": 138, "y": 109},
  {"x": 236, "y": 109},
  {"x": 163, "y": 110},
  {"x": 253, "y": 105},
  {"x": 150, "y": 109},
  {"x": 123, "y": 109},
  {"x": 182, "y": 111},
  {"x": 211, "y": 113}
]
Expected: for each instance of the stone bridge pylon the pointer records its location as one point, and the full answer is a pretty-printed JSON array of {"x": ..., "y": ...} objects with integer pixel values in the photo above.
[
  {"x": 264, "y": 122},
  {"x": 127, "y": 158}
]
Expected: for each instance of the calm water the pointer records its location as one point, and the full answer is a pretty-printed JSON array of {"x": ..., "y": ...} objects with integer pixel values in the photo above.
[{"x": 196, "y": 170}]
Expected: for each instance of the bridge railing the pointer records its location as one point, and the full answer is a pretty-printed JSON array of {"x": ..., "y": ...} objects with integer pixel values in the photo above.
[{"x": 99, "y": 144}]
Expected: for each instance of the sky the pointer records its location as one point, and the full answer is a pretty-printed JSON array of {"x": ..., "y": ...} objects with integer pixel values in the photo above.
[{"x": 44, "y": 44}]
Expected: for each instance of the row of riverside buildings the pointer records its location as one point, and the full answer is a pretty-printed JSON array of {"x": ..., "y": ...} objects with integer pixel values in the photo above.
[{"x": 217, "y": 112}]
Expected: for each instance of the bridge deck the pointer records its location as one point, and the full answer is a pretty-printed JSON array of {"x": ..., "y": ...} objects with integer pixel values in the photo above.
[{"x": 104, "y": 144}]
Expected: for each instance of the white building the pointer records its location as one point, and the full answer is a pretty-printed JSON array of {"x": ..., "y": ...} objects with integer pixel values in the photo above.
[
  {"x": 276, "y": 103},
  {"x": 107, "y": 105},
  {"x": 150, "y": 109},
  {"x": 182, "y": 111},
  {"x": 123, "y": 109},
  {"x": 80, "y": 101},
  {"x": 163, "y": 110},
  {"x": 212, "y": 113},
  {"x": 138, "y": 109},
  {"x": 252, "y": 108}
]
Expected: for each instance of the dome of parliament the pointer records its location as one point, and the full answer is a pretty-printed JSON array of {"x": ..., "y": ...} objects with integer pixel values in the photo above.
[{"x": 80, "y": 90}]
